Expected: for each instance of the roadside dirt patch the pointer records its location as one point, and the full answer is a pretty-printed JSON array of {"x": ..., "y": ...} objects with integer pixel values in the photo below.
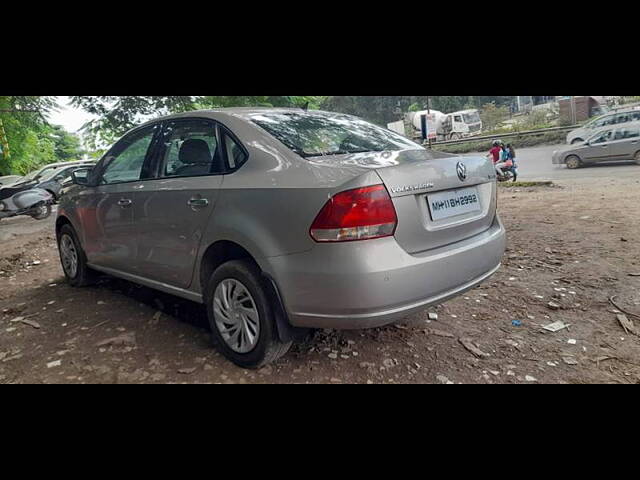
[{"x": 569, "y": 250}]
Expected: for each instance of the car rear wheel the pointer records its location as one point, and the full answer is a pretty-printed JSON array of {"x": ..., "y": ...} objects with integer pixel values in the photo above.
[
  {"x": 241, "y": 315},
  {"x": 636, "y": 157},
  {"x": 573, "y": 162},
  {"x": 73, "y": 259}
]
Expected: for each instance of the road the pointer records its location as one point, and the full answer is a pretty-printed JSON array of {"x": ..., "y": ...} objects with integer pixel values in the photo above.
[
  {"x": 11, "y": 228},
  {"x": 535, "y": 164}
]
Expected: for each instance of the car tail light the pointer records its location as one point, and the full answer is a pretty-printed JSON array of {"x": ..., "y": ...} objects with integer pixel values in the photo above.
[{"x": 358, "y": 214}]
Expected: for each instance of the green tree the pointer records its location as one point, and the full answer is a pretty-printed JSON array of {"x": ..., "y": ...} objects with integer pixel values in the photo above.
[
  {"x": 67, "y": 145},
  {"x": 27, "y": 132},
  {"x": 116, "y": 115}
]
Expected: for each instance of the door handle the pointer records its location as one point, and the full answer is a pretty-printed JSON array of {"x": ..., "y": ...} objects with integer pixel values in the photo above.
[
  {"x": 198, "y": 203},
  {"x": 125, "y": 202}
]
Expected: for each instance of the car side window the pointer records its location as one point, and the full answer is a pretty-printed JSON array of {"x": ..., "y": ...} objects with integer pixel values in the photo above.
[
  {"x": 602, "y": 137},
  {"x": 190, "y": 148},
  {"x": 125, "y": 161},
  {"x": 622, "y": 118},
  {"x": 236, "y": 155}
]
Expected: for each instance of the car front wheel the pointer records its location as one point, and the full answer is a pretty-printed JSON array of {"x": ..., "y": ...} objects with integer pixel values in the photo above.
[
  {"x": 573, "y": 162},
  {"x": 241, "y": 315},
  {"x": 637, "y": 157},
  {"x": 73, "y": 259}
]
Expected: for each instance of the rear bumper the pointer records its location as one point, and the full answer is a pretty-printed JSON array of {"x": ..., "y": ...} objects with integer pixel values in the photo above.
[{"x": 375, "y": 282}]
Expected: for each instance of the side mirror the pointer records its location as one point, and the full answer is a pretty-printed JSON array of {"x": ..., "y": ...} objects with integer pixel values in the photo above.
[{"x": 81, "y": 176}]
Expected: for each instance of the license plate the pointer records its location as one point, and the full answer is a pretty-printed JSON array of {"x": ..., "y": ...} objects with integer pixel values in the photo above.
[{"x": 453, "y": 202}]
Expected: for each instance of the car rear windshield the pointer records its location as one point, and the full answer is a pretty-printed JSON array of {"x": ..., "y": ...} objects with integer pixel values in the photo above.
[{"x": 313, "y": 134}]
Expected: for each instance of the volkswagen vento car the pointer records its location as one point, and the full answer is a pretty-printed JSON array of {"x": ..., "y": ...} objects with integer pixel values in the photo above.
[{"x": 281, "y": 220}]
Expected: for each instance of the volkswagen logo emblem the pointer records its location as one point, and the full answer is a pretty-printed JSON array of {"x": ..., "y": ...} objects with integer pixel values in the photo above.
[{"x": 462, "y": 171}]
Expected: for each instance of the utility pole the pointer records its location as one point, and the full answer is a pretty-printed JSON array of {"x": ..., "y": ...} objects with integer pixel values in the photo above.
[{"x": 428, "y": 115}]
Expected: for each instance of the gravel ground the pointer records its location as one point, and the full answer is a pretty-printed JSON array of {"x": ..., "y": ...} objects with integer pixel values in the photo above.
[{"x": 571, "y": 248}]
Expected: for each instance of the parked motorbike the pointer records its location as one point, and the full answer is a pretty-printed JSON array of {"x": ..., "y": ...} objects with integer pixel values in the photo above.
[{"x": 24, "y": 200}]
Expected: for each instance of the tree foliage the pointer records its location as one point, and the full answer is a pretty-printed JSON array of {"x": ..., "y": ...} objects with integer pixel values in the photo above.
[
  {"x": 116, "y": 115},
  {"x": 28, "y": 133}
]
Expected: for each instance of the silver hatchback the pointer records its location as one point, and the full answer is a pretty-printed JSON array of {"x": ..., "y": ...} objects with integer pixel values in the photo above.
[
  {"x": 281, "y": 220},
  {"x": 617, "y": 143}
]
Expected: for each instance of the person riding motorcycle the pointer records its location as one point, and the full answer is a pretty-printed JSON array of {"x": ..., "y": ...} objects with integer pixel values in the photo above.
[{"x": 501, "y": 157}]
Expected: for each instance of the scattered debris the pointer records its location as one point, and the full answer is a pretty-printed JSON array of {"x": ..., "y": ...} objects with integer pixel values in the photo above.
[
  {"x": 433, "y": 316},
  {"x": 556, "y": 326},
  {"x": 444, "y": 380},
  {"x": 127, "y": 339},
  {"x": 187, "y": 371},
  {"x": 516, "y": 323},
  {"x": 570, "y": 360},
  {"x": 612, "y": 300},
  {"x": 529, "y": 378},
  {"x": 472, "y": 347},
  {"x": 572, "y": 341},
  {"x": 389, "y": 362},
  {"x": 55, "y": 363},
  {"x": 439, "y": 333},
  {"x": 553, "y": 305},
  {"x": 31, "y": 323},
  {"x": 628, "y": 325}
]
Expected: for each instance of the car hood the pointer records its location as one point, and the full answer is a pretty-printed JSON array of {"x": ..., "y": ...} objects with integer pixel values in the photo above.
[{"x": 570, "y": 149}]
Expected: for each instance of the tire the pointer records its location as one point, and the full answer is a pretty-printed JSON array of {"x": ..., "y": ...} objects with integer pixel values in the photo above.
[
  {"x": 44, "y": 212},
  {"x": 636, "y": 157},
  {"x": 572, "y": 162},
  {"x": 266, "y": 347},
  {"x": 82, "y": 276},
  {"x": 455, "y": 136}
]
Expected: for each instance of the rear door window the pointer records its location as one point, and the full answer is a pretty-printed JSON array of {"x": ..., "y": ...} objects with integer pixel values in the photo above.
[
  {"x": 190, "y": 148},
  {"x": 622, "y": 118}
]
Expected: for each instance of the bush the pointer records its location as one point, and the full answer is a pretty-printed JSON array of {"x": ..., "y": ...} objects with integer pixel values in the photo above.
[
  {"x": 493, "y": 116},
  {"x": 549, "y": 138}
]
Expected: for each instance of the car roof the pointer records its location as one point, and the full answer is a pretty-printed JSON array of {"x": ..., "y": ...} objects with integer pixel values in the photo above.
[
  {"x": 634, "y": 124},
  {"x": 245, "y": 113}
]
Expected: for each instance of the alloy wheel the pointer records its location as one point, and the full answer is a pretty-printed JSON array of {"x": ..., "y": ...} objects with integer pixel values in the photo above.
[
  {"x": 236, "y": 315},
  {"x": 69, "y": 256}
]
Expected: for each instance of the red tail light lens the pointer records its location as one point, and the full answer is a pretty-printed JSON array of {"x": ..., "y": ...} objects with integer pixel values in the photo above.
[{"x": 358, "y": 214}]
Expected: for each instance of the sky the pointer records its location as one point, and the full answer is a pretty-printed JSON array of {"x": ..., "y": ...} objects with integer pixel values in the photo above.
[{"x": 69, "y": 117}]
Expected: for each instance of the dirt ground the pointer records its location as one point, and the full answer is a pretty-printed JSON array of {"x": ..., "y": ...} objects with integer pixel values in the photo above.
[{"x": 574, "y": 244}]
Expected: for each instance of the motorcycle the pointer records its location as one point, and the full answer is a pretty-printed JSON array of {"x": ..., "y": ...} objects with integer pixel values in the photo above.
[
  {"x": 508, "y": 173},
  {"x": 23, "y": 200}
]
